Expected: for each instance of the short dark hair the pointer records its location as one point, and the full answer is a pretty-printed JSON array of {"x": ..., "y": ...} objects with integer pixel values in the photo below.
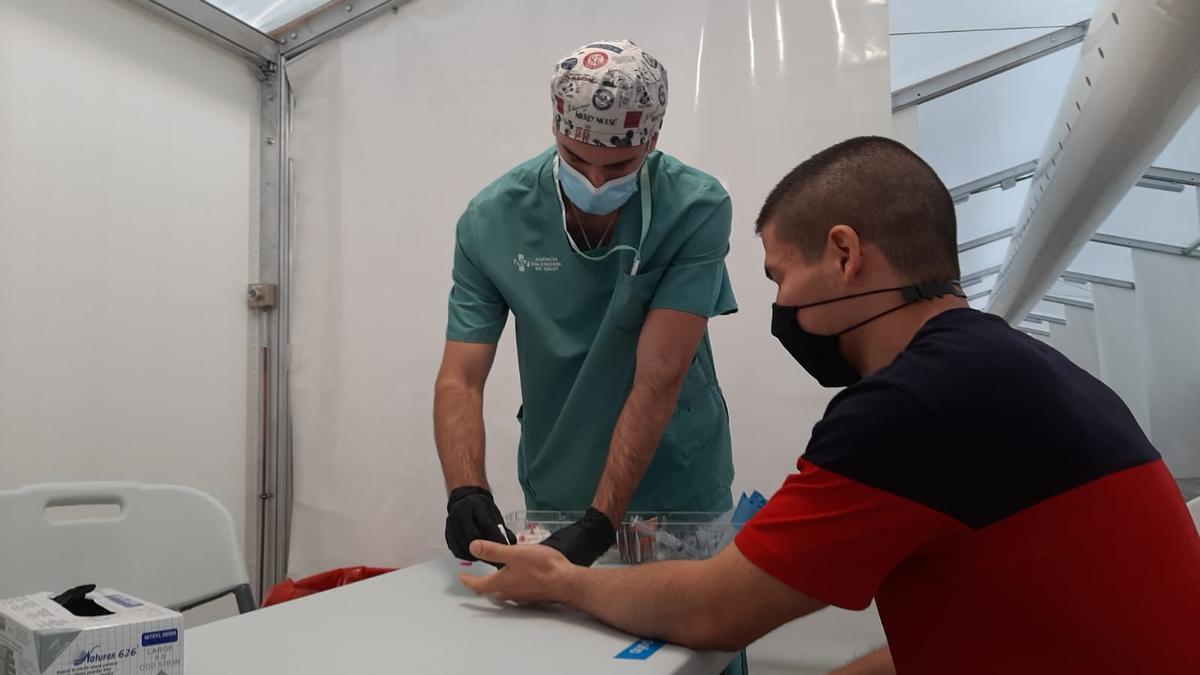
[{"x": 883, "y": 190}]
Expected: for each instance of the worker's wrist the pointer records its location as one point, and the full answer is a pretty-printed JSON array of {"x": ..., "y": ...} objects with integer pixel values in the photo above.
[
  {"x": 459, "y": 489},
  {"x": 609, "y": 511},
  {"x": 463, "y": 479},
  {"x": 598, "y": 518},
  {"x": 463, "y": 491}
]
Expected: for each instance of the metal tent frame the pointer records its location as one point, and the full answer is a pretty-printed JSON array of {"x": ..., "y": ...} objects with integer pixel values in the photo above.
[{"x": 270, "y": 294}]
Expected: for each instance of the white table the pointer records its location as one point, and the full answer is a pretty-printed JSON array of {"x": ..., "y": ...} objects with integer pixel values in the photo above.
[{"x": 422, "y": 620}]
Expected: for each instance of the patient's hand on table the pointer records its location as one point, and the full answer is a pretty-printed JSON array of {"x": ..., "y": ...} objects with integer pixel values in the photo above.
[{"x": 531, "y": 574}]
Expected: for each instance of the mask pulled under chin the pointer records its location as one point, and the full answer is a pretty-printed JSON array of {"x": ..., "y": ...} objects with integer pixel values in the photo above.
[{"x": 819, "y": 354}]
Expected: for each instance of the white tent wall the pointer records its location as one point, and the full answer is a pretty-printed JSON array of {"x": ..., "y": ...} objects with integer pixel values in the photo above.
[
  {"x": 1157, "y": 215},
  {"x": 1119, "y": 350},
  {"x": 128, "y": 201},
  {"x": 1168, "y": 322},
  {"x": 399, "y": 123},
  {"x": 1077, "y": 339}
]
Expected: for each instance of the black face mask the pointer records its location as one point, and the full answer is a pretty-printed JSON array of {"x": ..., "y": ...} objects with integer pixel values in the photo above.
[{"x": 819, "y": 354}]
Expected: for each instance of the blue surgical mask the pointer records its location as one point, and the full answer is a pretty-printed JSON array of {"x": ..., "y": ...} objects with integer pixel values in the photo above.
[
  {"x": 595, "y": 200},
  {"x": 642, "y": 176}
]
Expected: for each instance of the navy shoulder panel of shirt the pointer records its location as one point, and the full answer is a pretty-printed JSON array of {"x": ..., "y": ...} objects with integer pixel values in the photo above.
[{"x": 978, "y": 421}]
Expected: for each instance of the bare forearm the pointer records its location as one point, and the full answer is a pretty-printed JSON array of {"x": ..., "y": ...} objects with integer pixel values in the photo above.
[
  {"x": 669, "y": 602},
  {"x": 723, "y": 603},
  {"x": 459, "y": 434},
  {"x": 635, "y": 438}
]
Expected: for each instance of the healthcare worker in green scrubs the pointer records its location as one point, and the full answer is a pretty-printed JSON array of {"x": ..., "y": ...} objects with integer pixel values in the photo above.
[{"x": 611, "y": 257}]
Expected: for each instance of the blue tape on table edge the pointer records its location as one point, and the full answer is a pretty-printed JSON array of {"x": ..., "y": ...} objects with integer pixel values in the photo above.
[{"x": 640, "y": 650}]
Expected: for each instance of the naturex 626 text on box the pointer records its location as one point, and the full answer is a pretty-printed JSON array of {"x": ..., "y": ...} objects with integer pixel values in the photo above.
[{"x": 89, "y": 632}]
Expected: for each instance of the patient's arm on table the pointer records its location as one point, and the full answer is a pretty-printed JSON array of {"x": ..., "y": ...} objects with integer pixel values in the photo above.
[{"x": 720, "y": 604}]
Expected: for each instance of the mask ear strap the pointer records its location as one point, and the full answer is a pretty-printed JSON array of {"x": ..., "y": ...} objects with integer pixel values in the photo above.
[
  {"x": 850, "y": 297},
  {"x": 877, "y": 316},
  {"x": 928, "y": 290},
  {"x": 915, "y": 293}
]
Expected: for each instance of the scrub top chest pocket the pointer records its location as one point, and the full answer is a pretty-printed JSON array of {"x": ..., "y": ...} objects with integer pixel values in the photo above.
[{"x": 631, "y": 298}]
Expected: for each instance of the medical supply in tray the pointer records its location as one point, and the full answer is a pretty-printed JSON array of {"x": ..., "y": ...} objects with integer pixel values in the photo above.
[{"x": 641, "y": 537}]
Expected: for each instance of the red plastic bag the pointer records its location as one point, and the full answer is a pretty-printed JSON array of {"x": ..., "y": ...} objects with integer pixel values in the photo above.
[{"x": 290, "y": 590}]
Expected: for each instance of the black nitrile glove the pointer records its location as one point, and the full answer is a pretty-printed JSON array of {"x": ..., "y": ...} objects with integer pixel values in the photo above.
[
  {"x": 473, "y": 515},
  {"x": 585, "y": 540}
]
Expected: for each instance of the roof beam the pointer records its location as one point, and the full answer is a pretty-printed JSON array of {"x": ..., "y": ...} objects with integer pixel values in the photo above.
[
  {"x": 1096, "y": 279},
  {"x": 1156, "y": 177},
  {"x": 989, "y": 66},
  {"x": 975, "y": 277},
  {"x": 1133, "y": 108},
  {"x": 1005, "y": 179},
  {"x": 217, "y": 27},
  {"x": 1045, "y": 318},
  {"x": 1155, "y": 184},
  {"x": 1173, "y": 176},
  {"x": 329, "y": 21},
  {"x": 1192, "y": 250},
  {"x": 1143, "y": 245},
  {"x": 1070, "y": 302},
  {"x": 985, "y": 239},
  {"x": 1049, "y": 297}
]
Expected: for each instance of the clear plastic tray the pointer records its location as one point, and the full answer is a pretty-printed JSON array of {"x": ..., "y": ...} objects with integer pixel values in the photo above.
[{"x": 641, "y": 537}]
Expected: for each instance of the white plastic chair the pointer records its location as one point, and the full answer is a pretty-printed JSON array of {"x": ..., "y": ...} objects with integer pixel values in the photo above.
[{"x": 170, "y": 545}]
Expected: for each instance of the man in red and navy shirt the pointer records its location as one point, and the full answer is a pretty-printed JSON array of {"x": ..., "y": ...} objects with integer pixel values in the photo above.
[{"x": 999, "y": 504}]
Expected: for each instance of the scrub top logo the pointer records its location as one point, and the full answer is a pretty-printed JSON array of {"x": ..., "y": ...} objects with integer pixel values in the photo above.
[
  {"x": 595, "y": 60},
  {"x": 541, "y": 263}
]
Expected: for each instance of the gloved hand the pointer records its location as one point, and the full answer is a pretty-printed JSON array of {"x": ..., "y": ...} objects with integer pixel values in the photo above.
[
  {"x": 472, "y": 514},
  {"x": 585, "y": 540}
]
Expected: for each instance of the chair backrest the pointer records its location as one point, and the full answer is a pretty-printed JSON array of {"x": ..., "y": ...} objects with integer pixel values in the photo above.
[
  {"x": 1194, "y": 508},
  {"x": 170, "y": 545}
]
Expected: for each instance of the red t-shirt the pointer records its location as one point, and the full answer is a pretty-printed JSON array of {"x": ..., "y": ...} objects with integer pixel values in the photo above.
[{"x": 1001, "y": 506}]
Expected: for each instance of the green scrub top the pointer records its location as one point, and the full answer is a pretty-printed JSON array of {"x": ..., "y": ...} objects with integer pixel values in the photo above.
[{"x": 578, "y": 322}]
